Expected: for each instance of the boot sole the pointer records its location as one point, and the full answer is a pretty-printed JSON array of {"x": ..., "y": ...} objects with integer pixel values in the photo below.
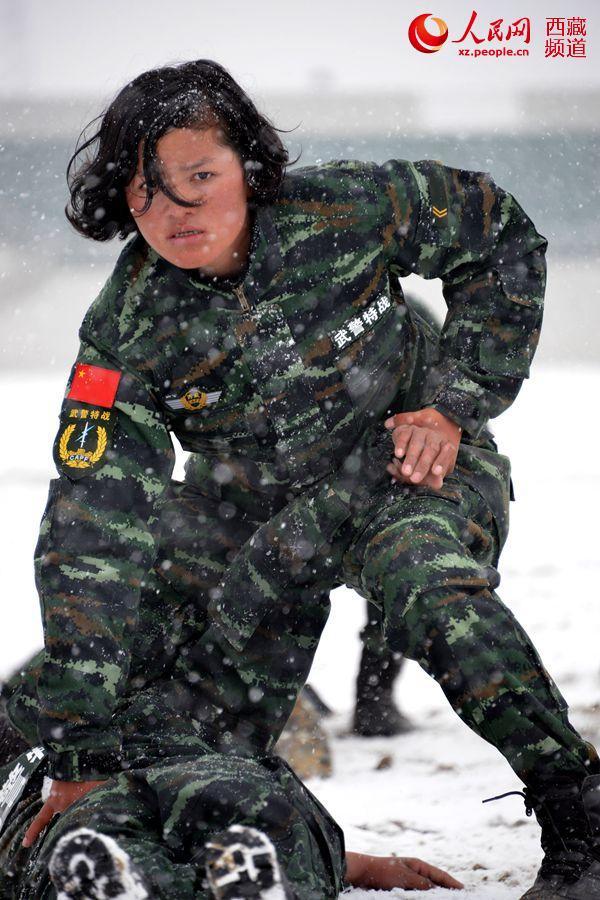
[
  {"x": 241, "y": 863},
  {"x": 89, "y": 866}
]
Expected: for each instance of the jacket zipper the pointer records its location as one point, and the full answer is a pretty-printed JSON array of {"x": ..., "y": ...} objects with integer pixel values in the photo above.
[{"x": 238, "y": 291}]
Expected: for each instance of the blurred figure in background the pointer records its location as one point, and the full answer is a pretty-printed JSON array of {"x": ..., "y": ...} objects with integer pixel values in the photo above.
[{"x": 375, "y": 712}]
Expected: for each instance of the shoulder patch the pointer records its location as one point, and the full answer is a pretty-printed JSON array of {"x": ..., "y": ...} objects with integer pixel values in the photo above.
[
  {"x": 93, "y": 384},
  {"x": 83, "y": 438}
]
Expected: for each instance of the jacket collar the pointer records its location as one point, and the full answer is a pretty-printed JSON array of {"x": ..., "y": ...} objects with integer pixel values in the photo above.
[{"x": 265, "y": 264}]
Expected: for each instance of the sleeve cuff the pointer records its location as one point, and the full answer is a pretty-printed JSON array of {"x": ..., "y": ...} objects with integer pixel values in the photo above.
[
  {"x": 84, "y": 765},
  {"x": 468, "y": 423},
  {"x": 461, "y": 401}
]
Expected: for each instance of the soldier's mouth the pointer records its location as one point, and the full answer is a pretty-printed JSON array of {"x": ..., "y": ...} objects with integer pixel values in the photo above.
[{"x": 189, "y": 234}]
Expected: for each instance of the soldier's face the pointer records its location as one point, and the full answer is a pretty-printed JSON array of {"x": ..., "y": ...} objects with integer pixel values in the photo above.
[{"x": 214, "y": 236}]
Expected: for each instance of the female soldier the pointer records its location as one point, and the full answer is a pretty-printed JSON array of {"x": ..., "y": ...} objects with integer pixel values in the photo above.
[{"x": 257, "y": 313}]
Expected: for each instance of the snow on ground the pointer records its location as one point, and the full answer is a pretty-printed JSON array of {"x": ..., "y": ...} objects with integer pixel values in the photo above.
[{"x": 427, "y": 801}]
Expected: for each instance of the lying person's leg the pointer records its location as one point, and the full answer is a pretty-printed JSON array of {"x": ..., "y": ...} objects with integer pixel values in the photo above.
[
  {"x": 227, "y": 827},
  {"x": 154, "y": 831},
  {"x": 201, "y": 799},
  {"x": 132, "y": 862}
]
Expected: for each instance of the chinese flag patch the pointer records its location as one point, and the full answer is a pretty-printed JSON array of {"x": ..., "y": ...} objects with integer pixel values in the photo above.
[{"x": 92, "y": 384}]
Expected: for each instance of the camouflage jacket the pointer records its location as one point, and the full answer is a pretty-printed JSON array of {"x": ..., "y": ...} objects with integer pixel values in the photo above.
[{"x": 282, "y": 372}]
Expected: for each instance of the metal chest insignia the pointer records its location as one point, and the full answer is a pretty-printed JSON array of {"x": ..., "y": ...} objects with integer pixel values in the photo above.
[
  {"x": 193, "y": 399},
  {"x": 83, "y": 439}
]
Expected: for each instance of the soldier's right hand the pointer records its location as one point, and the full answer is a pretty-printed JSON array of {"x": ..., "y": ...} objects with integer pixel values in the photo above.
[
  {"x": 387, "y": 872},
  {"x": 62, "y": 795}
]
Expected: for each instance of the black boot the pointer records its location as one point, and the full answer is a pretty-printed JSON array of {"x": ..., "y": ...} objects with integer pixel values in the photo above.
[
  {"x": 376, "y": 714},
  {"x": 567, "y": 812}
]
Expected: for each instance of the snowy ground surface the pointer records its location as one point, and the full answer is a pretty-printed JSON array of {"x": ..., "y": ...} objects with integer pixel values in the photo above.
[{"x": 427, "y": 802}]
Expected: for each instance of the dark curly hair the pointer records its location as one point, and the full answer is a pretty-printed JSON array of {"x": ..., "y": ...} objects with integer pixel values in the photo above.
[{"x": 192, "y": 94}]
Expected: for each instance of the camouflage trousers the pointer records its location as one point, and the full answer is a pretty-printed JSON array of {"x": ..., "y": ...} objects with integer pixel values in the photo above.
[
  {"x": 428, "y": 561},
  {"x": 162, "y": 817},
  {"x": 233, "y": 609}
]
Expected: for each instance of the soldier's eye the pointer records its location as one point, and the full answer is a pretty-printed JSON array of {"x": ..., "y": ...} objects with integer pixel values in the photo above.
[{"x": 139, "y": 189}]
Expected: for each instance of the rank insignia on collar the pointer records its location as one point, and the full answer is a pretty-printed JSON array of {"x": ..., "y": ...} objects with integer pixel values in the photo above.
[
  {"x": 193, "y": 399},
  {"x": 83, "y": 439}
]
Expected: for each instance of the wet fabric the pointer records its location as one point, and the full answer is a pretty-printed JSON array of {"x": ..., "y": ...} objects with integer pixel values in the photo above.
[
  {"x": 211, "y": 596},
  {"x": 243, "y": 632},
  {"x": 163, "y": 816}
]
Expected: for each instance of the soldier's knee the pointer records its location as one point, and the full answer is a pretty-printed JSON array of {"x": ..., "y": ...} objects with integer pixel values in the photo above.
[
  {"x": 416, "y": 552},
  {"x": 399, "y": 563},
  {"x": 416, "y": 592}
]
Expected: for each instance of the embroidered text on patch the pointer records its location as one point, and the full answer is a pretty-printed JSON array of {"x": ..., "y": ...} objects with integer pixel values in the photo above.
[
  {"x": 83, "y": 441},
  {"x": 194, "y": 399},
  {"x": 361, "y": 322}
]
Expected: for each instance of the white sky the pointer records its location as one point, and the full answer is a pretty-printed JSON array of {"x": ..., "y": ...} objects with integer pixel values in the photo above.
[{"x": 93, "y": 47}]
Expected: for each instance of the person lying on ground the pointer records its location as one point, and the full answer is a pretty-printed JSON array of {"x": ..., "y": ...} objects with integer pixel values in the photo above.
[{"x": 190, "y": 828}]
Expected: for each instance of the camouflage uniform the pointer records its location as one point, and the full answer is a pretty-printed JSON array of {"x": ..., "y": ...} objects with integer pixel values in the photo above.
[
  {"x": 162, "y": 817},
  {"x": 214, "y": 592}
]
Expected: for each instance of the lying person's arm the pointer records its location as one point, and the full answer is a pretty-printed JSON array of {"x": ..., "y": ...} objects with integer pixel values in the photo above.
[{"x": 386, "y": 872}]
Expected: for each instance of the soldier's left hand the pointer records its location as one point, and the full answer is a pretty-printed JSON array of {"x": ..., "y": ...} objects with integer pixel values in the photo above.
[
  {"x": 429, "y": 443},
  {"x": 62, "y": 795}
]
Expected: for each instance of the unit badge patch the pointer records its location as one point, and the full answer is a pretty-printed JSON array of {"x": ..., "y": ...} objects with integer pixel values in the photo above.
[
  {"x": 83, "y": 439},
  {"x": 193, "y": 399}
]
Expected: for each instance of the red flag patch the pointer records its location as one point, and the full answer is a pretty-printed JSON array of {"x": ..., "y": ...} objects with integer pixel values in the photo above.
[{"x": 92, "y": 384}]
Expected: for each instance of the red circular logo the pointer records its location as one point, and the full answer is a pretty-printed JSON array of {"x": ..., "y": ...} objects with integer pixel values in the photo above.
[{"x": 422, "y": 39}]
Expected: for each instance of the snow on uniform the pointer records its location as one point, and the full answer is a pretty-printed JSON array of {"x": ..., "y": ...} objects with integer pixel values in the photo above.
[
  {"x": 162, "y": 817},
  {"x": 279, "y": 387}
]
